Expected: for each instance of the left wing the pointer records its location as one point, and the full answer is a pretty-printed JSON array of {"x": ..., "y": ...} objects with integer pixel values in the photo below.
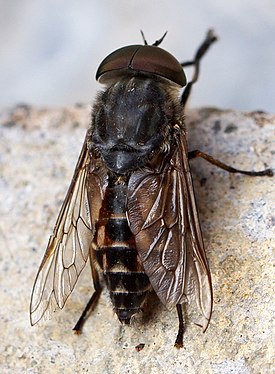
[{"x": 68, "y": 247}]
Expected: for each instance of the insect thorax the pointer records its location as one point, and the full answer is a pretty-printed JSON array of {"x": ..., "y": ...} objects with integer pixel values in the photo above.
[{"x": 133, "y": 120}]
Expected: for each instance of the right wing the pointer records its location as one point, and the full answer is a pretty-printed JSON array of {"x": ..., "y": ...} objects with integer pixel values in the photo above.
[
  {"x": 163, "y": 217},
  {"x": 68, "y": 248}
]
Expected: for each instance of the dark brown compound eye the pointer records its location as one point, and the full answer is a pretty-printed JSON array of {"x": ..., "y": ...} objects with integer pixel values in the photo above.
[{"x": 142, "y": 58}]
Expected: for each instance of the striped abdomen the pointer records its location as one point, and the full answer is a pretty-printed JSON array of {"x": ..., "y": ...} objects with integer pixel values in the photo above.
[{"x": 115, "y": 251}]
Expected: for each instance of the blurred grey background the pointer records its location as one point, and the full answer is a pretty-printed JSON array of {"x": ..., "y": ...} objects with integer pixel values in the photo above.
[{"x": 50, "y": 49}]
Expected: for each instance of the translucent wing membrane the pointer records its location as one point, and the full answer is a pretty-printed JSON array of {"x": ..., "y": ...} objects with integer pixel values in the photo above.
[
  {"x": 163, "y": 216},
  {"x": 68, "y": 248},
  {"x": 198, "y": 287}
]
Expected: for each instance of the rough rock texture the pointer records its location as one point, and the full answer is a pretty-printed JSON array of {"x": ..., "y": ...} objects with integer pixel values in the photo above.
[{"x": 38, "y": 151}]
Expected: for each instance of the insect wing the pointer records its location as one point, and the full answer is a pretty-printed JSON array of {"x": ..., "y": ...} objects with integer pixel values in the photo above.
[
  {"x": 163, "y": 217},
  {"x": 68, "y": 248},
  {"x": 198, "y": 286}
]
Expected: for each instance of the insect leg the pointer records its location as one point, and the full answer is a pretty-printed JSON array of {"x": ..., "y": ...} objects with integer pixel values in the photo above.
[
  {"x": 91, "y": 303},
  {"x": 230, "y": 169},
  {"x": 179, "y": 339},
  {"x": 210, "y": 39}
]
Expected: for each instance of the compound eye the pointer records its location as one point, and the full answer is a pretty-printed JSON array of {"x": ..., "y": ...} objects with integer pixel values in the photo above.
[
  {"x": 119, "y": 60},
  {"x": 141, "y": 58}
]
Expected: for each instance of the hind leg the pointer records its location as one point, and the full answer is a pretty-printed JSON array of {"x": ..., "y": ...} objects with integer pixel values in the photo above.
[
  {"x": 92, "y": 302},
  {"x": 179, "y": 339}
]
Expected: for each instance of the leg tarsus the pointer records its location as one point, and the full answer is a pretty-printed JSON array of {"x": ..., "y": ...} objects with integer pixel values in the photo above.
[
  {"x": 211, "y": 37},
  {"x": 230, "y": 169},
  {"x": 89, "y": 307},
  {"x": 93, "y": 300},
  {"x": 179, "y": 339},
  {"x": 208, "y": 41}
]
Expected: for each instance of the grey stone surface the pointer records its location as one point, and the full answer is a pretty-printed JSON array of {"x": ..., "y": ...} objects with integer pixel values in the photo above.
[{"x": 38, "y": 151}]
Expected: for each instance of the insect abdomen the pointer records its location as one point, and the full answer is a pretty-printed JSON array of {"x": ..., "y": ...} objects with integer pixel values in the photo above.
[{"x": 115, "y": 250}]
